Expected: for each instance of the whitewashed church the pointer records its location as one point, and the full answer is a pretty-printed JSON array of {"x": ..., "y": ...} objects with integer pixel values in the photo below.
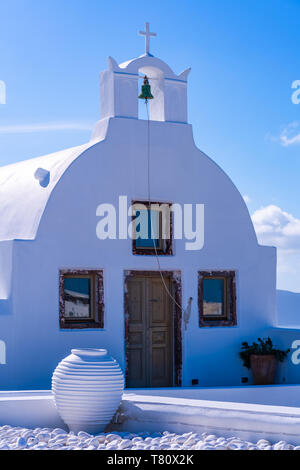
[{"x": 171, "y": 316}]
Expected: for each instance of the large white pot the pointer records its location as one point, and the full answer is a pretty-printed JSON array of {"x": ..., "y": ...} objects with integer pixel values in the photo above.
[{"x": 87, "y": 388}]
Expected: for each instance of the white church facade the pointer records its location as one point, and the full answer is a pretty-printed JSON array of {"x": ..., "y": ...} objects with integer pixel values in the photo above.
[{"x": 62, "y": 286}]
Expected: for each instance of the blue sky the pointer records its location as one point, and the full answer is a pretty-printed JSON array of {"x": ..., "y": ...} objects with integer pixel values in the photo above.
[{"x": 244, "y": 56}]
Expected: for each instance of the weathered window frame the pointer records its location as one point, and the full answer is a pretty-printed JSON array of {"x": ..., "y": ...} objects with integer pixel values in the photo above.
[
  {"x": 165, "y": 245},
  {"x": 97, "y": 292},
  {"x": 230, "y": 317}
]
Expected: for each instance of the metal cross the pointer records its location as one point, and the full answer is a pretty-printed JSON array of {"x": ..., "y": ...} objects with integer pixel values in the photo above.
[{"x": 147, "y": 35}]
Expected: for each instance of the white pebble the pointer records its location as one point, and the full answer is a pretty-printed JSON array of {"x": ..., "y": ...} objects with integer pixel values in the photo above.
[
  {"x": 263, "y": 442},
  {"x": 32, "y": 441},
  {"x": 4, "y": 447},
  {"x": 110, "y": 437},
  {"x": 44, "y": 436},
  {"x": 84, "y": 435},
  {"x": 101, "y": 447},
  {"x": 210, "y": 437},
  {"x": 21, "y": 443},
  {"x": 125, "y": 443},
  {"x": 13, "y": 438},
  {"x": 59, "y": 431}
]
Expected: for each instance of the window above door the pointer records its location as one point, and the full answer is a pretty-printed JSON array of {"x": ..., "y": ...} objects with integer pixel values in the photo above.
[
  {"x": 217, "y": 298},
  {"x": 81, "y": 303},
  {"x": 152, "y": 228}
]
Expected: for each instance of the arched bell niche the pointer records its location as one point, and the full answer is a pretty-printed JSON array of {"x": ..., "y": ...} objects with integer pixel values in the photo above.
[
  {"x": 157, "y": 83},
  {"x": 119, "y": 90}
]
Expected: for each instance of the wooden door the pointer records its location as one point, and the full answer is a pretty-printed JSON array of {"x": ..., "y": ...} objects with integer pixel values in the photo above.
[{"x": 150, "y": 333}]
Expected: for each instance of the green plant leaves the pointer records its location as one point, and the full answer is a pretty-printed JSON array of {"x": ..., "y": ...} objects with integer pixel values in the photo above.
[{"x": 263, "y": 347}]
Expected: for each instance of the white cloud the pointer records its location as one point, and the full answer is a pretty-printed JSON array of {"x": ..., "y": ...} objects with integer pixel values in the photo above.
[
  {"x": 45, "y": 127},
  {"x": 287, "y": 141},
  {"x": 279, "y": 228},
  {"x": 289, "y": 135},
  {"x": 246, "y": 198}
]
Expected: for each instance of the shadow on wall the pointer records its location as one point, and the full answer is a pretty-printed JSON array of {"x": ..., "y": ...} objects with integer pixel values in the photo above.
[{"x": 288, "y": 308}]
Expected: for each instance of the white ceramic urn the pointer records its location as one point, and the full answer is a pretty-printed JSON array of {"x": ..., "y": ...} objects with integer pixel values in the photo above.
[{"x": 87, "y": 388}]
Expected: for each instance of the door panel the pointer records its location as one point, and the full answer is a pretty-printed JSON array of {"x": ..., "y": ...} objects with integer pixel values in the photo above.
[
  {"x": 161, "y": 358},
  {"x": 136, "y": 334},
  {"x": 150, "y": 348}
]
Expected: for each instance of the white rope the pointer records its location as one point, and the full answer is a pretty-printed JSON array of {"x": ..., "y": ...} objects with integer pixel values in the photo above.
[{"x": 149, "y": 201}]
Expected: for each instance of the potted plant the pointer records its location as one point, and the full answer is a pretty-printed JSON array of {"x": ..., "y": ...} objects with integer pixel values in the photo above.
[{"x": 262, "y": 358}]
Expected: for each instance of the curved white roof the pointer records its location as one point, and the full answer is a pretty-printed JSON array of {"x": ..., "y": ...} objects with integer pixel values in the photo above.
[{"x": 23, "y": 199}]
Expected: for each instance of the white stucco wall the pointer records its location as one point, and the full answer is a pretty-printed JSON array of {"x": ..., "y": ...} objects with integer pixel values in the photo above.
[{"x": 66, "y": 238}]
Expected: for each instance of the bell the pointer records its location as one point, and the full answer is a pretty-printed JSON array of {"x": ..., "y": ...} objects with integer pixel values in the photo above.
[{"x": 146, "y": 90}]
